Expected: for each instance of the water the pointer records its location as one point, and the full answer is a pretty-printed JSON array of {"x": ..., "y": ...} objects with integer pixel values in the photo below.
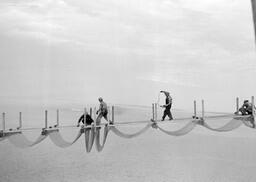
[{"x": 202, "y": 155}]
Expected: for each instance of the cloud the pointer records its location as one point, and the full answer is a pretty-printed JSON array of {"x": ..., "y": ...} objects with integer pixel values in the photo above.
[
  {"x": 168, "y": 80},
  {"x": 33, "y": 19},
  {"x": 138, "y": 27},
  {"x": 199, "y": 43}
]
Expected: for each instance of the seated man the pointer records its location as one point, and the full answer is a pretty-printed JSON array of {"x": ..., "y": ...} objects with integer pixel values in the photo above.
[
  {"x": 88, "y": 120},
  {"x": 246, "y": 108}
]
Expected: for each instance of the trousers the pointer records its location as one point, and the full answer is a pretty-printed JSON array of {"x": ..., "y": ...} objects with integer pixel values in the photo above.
[{"x": 167, "y": 112}]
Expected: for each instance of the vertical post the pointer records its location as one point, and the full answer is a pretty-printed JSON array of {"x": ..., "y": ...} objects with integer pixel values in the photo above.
[
  {"x": 108, "y": 118},
  {"x": 3, "y": 121},
  {"x": 253, "y": 109},
  {"x": 156, "y": 111},
  {"x": 195, "y": 108},
  {"x": 203, "y": 109},
  {"x": 94, "y": 115},
  {"x": 90, "y": 111},
  {"x": 153, "y": 112},
  {"x": 85, "y": 112},
  {"x": 58, "y": 118},
  {"x": 45, "y": 118},
  {"x": 237, "y": 104},
  {"x": 20, "y": 120},
  {"x": 113, "y": 114},
  {"x": 254, "y": 15}
]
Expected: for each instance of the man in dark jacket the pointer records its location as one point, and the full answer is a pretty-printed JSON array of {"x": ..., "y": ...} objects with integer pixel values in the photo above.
[
  {"x": 88, "y": 119},
  {"x": 167, "y": 106},
  {"x": 246, "y": 108}
]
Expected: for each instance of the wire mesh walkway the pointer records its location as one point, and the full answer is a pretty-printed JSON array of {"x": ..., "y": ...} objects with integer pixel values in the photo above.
[{"x": 92, "y": 133}]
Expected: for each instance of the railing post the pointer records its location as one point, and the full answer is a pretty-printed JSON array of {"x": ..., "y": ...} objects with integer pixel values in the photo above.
[
  {"x": 203, "y": 109},
  {"x": 253, "y": 109},
  {"x": 58, "y": 122},
  {"x": 85, "y": 112},
  {"x": 94, "y": 116},
  {"x": 254, "y": 16},
  {"x": 3, "y": 115},
  {"x": 90, "y": 111},
  {"x": 45, "y": 119},
  {"x": 194, "y": 108},
  {"x": 153, "y": 112},
  {"x": 237, "y": 104},
  {"x": 113, "y": 114},
  {"x": 20, "y": 120}
]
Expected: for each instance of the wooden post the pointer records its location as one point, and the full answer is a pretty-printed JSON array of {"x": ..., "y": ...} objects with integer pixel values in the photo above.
[
  {"x": 20, "y": 120},
  {"x": 203, "y": 109},
  {"x": 153, "y": 112},
  {"x": 90, "y": 111},
  {"x": 58, "y": 122},
  {"x": 237, "y": 104},
  {"x": 45, "y": 118},
  {"x": 94, "y": 116},
  {"x": 108, "y": 117},
  {"x": 253, "y": 109},
  {"x": 195, "y": 108},
  {"x": 254, "y": 16},
  {"x": 3, "y": 121},
  {"x": 113, "y": 114},
  {"x": 85, "y": 112}
]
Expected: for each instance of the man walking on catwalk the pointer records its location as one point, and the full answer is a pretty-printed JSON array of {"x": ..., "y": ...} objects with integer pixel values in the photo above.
[{"x": 167, "y": 106}]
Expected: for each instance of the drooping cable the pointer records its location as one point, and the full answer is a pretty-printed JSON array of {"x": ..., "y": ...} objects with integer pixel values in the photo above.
[
  {"x": 183, "y": 131},
  {"x": 59, "y": 141},
  {"x": 231, "y": 125},
  {"x": 89, "y": 138},
  {"x": 125, "y": 135},
  {"x": 99, "y": 146},
  {"x": 21, "y": 141}
]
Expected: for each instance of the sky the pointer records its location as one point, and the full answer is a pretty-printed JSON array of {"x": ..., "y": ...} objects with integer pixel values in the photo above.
[{"x": 61, "y": 52}]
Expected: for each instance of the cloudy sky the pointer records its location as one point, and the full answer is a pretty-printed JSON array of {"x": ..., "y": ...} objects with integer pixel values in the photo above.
[{"x": 65, "y": 51}]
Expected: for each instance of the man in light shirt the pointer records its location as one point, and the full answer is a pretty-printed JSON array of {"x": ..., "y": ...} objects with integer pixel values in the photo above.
[{"x": 102, "y": 111}]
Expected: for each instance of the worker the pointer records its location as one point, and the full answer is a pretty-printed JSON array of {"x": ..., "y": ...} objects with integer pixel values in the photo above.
[
  {"x": 102, "y": 111},
  {"x": 88, "y": 119},
  {"x": 246, "y": 108},
  {"x": 167, "y": 106}
]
